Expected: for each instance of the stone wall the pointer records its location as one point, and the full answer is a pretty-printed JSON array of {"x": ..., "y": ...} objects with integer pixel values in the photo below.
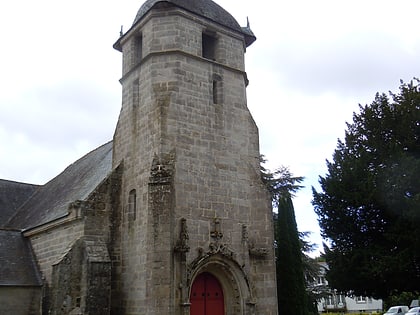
[
  {"x": 50, "y": 244},
  {"x": 16, "y": 300},
  {"x": 91, "y": 218}
]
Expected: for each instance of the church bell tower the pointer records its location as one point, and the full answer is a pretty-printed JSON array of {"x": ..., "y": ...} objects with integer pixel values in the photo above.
[{"x": 195, "y": 233}]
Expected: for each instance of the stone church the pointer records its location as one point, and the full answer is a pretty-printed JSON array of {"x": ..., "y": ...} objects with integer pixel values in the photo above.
[{"x": 171, "y": 216}]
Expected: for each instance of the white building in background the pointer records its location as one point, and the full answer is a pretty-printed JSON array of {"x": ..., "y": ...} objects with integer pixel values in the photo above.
[{"x": 333, "y": 301}]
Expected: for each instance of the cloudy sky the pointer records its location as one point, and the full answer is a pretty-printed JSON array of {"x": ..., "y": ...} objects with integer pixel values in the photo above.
[{"x": 312, "y": 64}]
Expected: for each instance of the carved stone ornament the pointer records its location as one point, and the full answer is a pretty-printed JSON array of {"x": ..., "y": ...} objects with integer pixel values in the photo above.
[
  {"x": 258, "y": 252},
  {"x": 216, "y": 233},
  {"x": 78, "y": 208},
  {"x": 182, "y": 243},
  {"x": 217, "y": 248},
  {"x": 245, "y": 236},
  {"x": 162, "y": 169}
]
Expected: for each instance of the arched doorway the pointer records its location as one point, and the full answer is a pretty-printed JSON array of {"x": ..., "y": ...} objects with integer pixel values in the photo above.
[{"x": 206, "y": 296}]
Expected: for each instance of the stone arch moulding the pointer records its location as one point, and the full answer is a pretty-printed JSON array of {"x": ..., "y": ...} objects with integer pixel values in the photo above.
[{"x": 237, "y": 290}]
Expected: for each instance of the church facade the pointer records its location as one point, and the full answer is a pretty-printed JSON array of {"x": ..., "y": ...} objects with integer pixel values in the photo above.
[{"x": 171, "y": 216}]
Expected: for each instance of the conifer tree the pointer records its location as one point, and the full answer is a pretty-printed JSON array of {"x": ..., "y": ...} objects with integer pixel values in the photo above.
[
  {"x": 291, "y": 290},
  {"x": 369, "y": 204}
]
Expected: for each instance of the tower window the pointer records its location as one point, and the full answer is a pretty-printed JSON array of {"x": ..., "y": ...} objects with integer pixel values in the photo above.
[
  {"x": 138, "y": 48},
  {"x": 136, "y": 92},
  {"x": 215, "y": 96},
  {"x": 217, "y": 89},
  {"x": 208, "y": 46},
  {"x": 132, "y": 205}
]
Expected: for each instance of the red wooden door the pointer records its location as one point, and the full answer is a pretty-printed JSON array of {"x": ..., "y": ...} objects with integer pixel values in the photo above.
[{"x": 206, "y": 296}]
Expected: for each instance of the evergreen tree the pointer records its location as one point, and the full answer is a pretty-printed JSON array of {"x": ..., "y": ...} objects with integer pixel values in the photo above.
[{"x": 369, "y": 206}]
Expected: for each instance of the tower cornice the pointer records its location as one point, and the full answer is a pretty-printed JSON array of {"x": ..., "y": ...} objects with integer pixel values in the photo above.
[{"x": 180, "y": 52}]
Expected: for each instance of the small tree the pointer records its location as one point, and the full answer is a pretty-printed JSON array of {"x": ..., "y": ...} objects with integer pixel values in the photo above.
[
  {"x": 291, "y": 289},
  {"x": 311, "y": 273}
]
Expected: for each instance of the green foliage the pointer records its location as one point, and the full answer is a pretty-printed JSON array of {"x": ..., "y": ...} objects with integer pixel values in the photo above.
[
  {"x": 291, "y": 262},
  {"x": 281, "y": 183},
  {"x": 311, "y": 272},
  {"x": 292, "y": 298},
  {"x": 369, "y": 206},
  {"x": 403, "y": 298}
]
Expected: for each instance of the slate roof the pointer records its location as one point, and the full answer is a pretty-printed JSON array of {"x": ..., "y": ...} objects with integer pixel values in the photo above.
[
  {"x": 76, "y": 182},
  {"x": 12, "y": 196},
  {"x": 205, "y": 8},
  {"x": 17, "y": 264}
]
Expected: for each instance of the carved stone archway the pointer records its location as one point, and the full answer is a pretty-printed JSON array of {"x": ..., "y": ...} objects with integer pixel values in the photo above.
[
  {"x": 236, "y": 287},
  {"x": 206, "y": 296}
]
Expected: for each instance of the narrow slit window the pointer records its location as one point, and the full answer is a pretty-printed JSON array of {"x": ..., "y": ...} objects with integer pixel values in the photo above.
[
  {"x": 136, "y": 93},
  {"x": 138, "y": 48},
  {"x": 217, "y": 89},
  {"x": 132, "y": 205},
  {"x": 215, "y": 96}
]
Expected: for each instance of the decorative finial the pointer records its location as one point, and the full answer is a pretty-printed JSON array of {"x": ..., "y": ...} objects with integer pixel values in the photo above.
[
  {"x": 247, "y": 22},
  {"x": 121, "y": 31}
]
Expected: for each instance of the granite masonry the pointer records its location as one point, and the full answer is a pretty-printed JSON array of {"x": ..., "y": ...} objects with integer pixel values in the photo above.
[{"x": 171, "y": 217}]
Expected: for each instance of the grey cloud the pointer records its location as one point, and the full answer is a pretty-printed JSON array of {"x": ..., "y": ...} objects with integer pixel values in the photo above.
[
  {"x": 64, "y": 113},
  {"x": 350, "y": 66}
]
